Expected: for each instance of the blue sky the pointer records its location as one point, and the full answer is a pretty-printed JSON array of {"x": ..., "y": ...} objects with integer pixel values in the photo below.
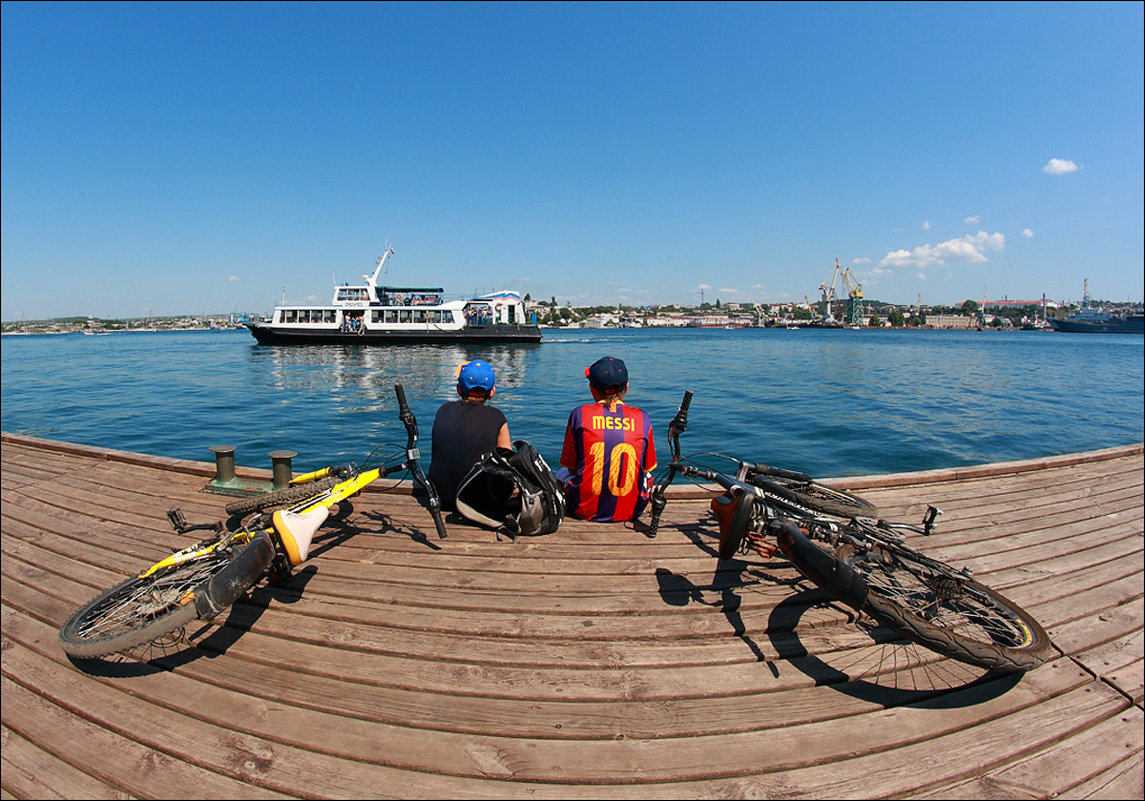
[{"x": 202, "y": 158}]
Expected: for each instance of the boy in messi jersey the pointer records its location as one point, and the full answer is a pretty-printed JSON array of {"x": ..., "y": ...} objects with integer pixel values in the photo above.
[{"x": 608, "y": 454}]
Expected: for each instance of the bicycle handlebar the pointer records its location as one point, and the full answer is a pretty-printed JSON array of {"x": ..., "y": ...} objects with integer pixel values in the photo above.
[{"x": 679, "y": 424}]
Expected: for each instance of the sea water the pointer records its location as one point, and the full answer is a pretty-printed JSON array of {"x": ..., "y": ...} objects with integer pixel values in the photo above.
[{"x": 828, "y": 402}]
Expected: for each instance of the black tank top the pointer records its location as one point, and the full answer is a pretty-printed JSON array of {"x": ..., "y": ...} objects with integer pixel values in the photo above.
[{"x": 462, "y": 434}]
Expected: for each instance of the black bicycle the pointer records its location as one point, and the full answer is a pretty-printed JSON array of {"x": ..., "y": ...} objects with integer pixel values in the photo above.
[
  {"x": 865, "y": 563},
  {"x": 200, "y": 581}
]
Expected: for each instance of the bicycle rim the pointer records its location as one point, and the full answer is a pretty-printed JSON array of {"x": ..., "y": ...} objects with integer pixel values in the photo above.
[
  {"x": 141, "y": 610},
  {"x": 953, "y": 615}
]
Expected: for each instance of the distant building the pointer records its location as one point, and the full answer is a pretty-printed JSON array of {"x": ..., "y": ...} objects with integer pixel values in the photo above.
[
  {"x": 950, "y": 321},
  {"x": 1005, "y": 303}
]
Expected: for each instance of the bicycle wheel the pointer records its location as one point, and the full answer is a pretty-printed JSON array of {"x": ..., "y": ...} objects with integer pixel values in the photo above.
[
  {"x": 816, "y": 497},
  {"x": 141, "y": 610},
  {"x": 284, "y": 497},
  {"x": 947, "y": 613}
]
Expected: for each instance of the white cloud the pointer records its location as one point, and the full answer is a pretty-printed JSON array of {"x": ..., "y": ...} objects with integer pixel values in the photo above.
[
  {"x": 926, "y": 225},
  {"x": 704, "y": 287},
  {"x": 1027, "y": 233},
  {"x": 968, "y": 248},
  {"x": 977, "y": 218},
  {"x": 233, "y": 278},
  {"x": 860, "y": 261},
  {"x": 1060, "y": 167},
  {"x": 727, "y": 291}
]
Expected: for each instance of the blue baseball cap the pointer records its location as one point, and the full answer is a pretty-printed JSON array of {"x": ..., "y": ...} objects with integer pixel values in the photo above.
[
  {"x": 607, "y": 373},
  {"x": 476, "y": 374}
]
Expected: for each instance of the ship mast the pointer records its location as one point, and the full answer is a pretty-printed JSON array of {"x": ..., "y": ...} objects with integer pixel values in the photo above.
[{"x": 373, "y": 282}]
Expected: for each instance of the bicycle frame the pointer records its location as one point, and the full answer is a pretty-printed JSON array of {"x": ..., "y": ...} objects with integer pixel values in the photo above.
[{"x": 198, "y": 551}]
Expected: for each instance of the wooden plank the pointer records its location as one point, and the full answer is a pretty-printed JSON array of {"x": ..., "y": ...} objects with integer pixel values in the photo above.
[
  {"x": 135, "y": 768},
  {"x": 1106, "y": 626},
  {"x": 1055, "y": 771},
  {"x": 31, "y": 772},
  {"x": 1114, "y": 655},
  {"x": 1122, "y": 781},
  {"x": 1129, "y": 679}
]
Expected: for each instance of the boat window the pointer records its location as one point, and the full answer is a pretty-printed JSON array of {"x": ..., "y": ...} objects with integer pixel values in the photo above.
[
  {"x": 405, "y": 315},
  {"x": 331, "y": 316},
  {"x": 420, "y": 316},
  {"x": 391, "y": 315},
  {"x": 304, "y": 316},
  {"x": 290, "y": 316},
  {"x": 447, "y": 316},
  {"x": 435, "y": 316}
]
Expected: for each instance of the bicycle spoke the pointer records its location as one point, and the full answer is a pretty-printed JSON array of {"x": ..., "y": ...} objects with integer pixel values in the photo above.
[
  {"x": 145, "y": 603},
  {"x": 951, "y": 606}
]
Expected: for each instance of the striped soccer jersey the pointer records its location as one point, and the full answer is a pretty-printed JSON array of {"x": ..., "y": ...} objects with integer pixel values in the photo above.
[{"x": 610, "y": 455}]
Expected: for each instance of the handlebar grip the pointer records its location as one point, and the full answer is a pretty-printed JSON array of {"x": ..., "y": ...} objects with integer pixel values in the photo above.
[
  {"x": 680, "y": 421},
  {"x": 403, "y": 406},
  {"x": 438, "y": 523},
  {"x": 658, "y": 502}
]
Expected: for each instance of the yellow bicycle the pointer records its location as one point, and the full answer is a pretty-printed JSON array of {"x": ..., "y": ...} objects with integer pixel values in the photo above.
[{"x": 200, "y": 581}]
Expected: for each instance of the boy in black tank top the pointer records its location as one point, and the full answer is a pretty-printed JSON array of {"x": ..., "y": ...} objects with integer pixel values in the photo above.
[{"x": 465, "y": 430}]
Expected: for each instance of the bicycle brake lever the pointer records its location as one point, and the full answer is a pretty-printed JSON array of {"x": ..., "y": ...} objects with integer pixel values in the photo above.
[
  {"x": 928, "y": 520},
  {"x": 178, "y": 522}
]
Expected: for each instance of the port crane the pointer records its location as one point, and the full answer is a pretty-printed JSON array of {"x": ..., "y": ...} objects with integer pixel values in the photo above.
[
  {"x": 854, "y": 295},
  {"x": 828, "y": 292}
]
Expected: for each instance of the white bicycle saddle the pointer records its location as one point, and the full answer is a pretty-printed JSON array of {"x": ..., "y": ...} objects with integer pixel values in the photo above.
[{"x": 297, "y": 530}]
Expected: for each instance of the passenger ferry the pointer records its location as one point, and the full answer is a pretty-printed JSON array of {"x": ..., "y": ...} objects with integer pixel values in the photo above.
[{"x": 368, "y": 313}]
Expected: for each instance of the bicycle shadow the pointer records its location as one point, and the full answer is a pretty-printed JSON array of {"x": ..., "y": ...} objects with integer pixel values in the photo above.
[
  {"x": 889, "y": 670},
  {"x": 677, "y": 590},
  {"x": 886, "y": 670},
  {"x": 386, "y": 524}
]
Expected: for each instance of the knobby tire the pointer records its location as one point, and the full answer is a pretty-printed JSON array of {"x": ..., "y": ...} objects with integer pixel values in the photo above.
[
  {"x": 138, "y": 611},
  {"x": 817, "y": 497},
  {"x": 284, "y": 497}
]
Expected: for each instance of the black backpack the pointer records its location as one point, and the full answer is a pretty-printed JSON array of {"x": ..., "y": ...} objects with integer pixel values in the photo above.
[{"x": 513, "y": 491}]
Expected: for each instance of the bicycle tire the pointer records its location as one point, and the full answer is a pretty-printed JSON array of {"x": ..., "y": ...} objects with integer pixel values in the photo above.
[
  {"x": 284, "y": 497},
  {"x": 955, "y": 616},
  {"x": 817, "y": 497},
  {"x": 138, "y": 611}
]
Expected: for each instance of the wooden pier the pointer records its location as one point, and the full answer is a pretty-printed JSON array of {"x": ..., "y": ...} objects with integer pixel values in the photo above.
[{"x": 592, "y": 663}]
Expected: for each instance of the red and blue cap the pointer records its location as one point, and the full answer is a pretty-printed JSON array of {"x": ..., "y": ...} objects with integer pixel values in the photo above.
[
  {"x": 476, "y": 374},
  {"x": 607, "y": 373}
]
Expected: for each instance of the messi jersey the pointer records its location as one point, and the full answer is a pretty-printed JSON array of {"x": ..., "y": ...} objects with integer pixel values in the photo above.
[{"x": 610, "y": 455}]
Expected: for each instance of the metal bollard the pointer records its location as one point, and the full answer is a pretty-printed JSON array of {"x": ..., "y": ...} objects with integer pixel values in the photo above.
[
  {"x": 224, "y": 463},
  {"x": 280, "y": 465}
]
